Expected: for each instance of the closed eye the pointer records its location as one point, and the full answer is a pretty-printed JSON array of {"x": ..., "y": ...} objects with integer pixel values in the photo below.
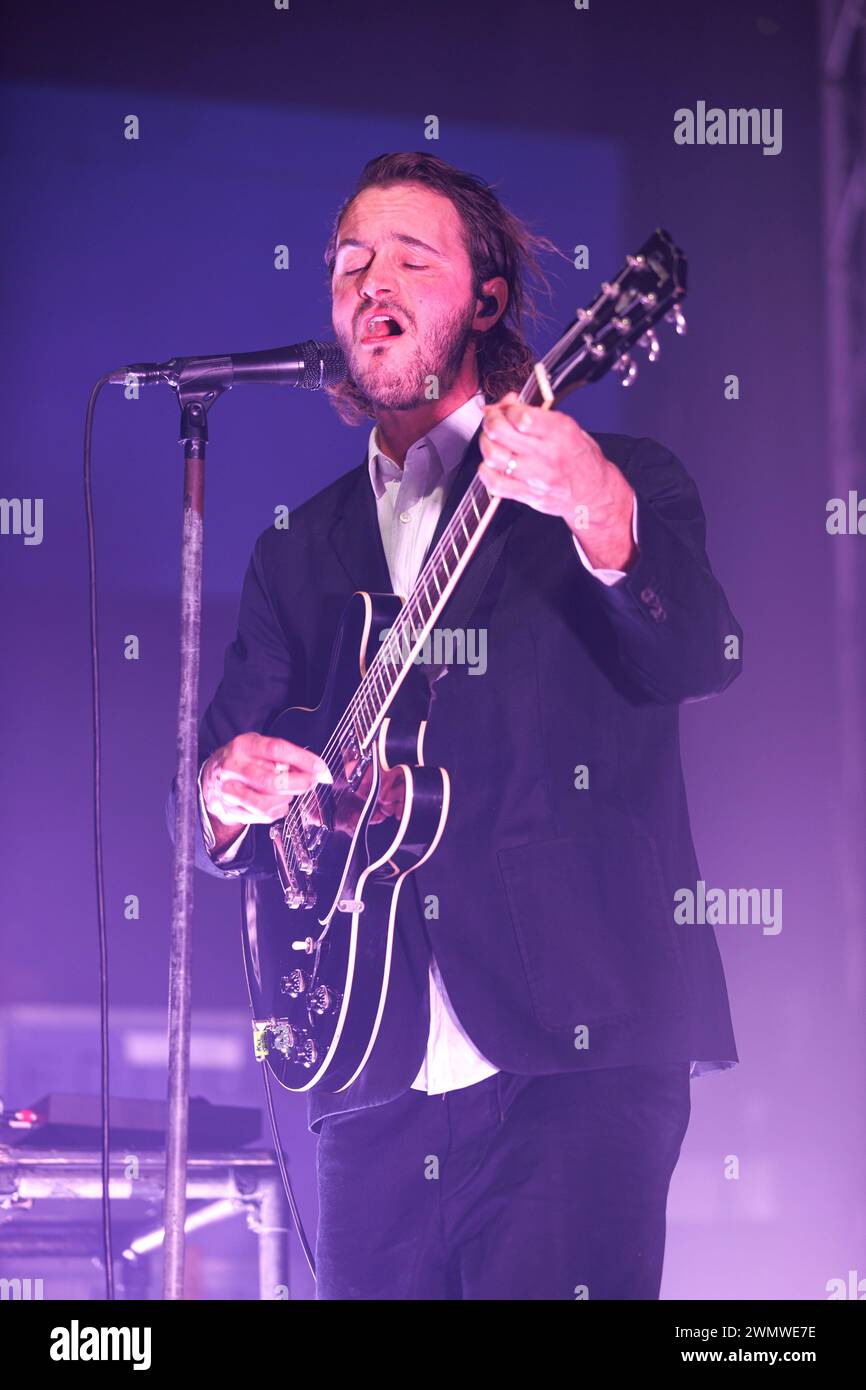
[{"x": 407, "y": 265}]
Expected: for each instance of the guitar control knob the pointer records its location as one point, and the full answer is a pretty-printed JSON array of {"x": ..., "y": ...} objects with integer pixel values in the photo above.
[
  {"x": 293, "y": 984},
  {"x": 284, "y": 1038},
  {"x": 308, "y": 1053},
  {"x": 321, "y": 1000}
]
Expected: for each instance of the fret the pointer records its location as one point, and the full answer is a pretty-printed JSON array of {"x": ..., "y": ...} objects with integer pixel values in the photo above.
[
  {"x": 411, "y": 638},
  {"x": 389, "y": 657},
  {"x": 408, "y": 620},
  {"x": 399, "y": 649},
  {"x": 367, "y": 710},
  {"x": 357, "y": 718},
  {"x": 379, "y": 687},
  {"x": 407, "y": 638}
]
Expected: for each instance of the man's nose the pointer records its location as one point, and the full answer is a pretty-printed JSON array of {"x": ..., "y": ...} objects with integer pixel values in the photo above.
[{"x": 376, "y": 283}]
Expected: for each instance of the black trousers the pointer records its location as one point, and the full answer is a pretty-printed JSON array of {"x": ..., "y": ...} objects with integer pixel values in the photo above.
[{"x": 518, "y": 1187}]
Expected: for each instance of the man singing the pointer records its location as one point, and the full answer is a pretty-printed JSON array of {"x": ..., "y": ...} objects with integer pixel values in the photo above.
[{"x": 514, "y": 1132}]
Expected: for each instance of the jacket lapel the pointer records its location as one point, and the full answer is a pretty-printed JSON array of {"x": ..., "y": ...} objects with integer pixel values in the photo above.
[
  {"x": 462, "y": 477},
  {"x": 355, "y": 533},
  {"x": 460, "y": 480},
  {"x": 356, "y": 537}
]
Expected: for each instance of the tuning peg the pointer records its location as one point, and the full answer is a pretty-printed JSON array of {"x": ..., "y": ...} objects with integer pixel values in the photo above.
[
  {"x": 626, "y": 368},
  {"x": 652, "y": 345},
  {"x": 676, "y": 316}
]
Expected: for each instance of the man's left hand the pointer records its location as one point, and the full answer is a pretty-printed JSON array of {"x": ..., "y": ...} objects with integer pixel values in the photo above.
[{"x": 545, "y": 460}]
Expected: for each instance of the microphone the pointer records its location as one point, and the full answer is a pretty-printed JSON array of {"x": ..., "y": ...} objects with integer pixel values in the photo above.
[{"x": 310, "y": 365}]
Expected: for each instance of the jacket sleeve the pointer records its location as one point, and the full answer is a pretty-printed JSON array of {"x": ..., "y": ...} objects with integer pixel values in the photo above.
[
  {"x": 677, "y": 637},
  {"x": 255, "y": 686}
]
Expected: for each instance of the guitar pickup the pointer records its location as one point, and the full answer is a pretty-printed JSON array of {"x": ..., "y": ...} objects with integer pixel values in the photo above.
[{"x": 293, "y": 894}]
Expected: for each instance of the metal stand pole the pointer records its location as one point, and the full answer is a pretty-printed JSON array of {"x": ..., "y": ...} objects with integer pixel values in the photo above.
[
  {"x": 194, "y": 439},
  {"x": 273, "y": 1229}
]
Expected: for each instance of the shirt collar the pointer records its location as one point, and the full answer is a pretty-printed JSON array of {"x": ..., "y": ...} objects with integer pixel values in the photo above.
[{"x": 440, "y": 450}]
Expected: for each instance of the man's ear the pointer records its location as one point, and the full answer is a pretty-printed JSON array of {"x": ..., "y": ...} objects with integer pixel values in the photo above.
[{"x": 490, "y": 304}]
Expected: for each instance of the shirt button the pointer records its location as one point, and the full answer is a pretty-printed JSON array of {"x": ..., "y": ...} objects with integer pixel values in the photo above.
[{"x": 404, "y": 516}]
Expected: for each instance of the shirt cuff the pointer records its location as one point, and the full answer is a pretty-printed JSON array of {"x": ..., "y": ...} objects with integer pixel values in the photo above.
[
  {"x": 606, "y": 576},
  {"x": 230, "y": 852}
]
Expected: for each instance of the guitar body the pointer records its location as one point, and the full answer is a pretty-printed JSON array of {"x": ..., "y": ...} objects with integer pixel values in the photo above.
[{"x": 318, "y": 936}]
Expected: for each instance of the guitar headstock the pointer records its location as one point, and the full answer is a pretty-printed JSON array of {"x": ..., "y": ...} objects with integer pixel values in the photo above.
[{"x": 649, "y": 287}]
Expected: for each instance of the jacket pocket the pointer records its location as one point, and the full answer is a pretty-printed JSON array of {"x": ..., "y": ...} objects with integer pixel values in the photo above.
[{"x": 594, "y": 926}]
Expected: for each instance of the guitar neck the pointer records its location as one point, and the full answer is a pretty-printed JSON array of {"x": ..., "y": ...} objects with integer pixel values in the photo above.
[{"x": 434, "y": 586}]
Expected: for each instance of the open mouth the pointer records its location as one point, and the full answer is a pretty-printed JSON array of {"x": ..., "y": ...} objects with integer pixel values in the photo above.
[{"x": 377, "y": 327}]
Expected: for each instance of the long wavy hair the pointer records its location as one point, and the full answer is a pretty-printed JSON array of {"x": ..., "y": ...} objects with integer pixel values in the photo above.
[{"x": 498, "y": 243}]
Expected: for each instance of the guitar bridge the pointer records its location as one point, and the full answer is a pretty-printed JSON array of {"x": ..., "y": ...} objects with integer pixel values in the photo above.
[{"x": 295, "y": 894}]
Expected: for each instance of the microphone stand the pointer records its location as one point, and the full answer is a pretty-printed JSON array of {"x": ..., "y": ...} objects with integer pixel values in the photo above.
[
  {"x": 195, "y": 399},
  {"x": 198, "y": 382}
]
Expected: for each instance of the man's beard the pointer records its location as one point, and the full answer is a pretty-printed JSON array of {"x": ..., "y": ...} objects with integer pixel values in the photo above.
[{"x": 408, "y": 386}]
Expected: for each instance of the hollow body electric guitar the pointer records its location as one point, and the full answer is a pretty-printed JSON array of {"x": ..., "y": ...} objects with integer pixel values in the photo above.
[{"x": 318, "y": 935}]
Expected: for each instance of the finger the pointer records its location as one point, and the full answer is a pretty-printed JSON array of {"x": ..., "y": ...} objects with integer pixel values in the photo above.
[
  {"x": 243, "y": 805},
  {"x": 499, "y": 484},
  {"x": 286, "y": 754},
  {"x": 513, "y": 414},
  {"x": 235, "y": 814},
  {"x": 502, "y": 460},
  {"x": 527, "y": 474},
  {"x": 265, "y": 777},
  {"x": 501, "y": 437}
]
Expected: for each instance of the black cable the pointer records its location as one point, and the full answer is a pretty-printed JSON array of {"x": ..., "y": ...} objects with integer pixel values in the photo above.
[
  {"x": 284, "y": 1174},
  {"x": 97, "y": 836}
]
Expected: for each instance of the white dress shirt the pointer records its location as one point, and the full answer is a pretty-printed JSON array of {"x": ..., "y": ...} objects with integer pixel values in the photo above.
[{"x": 408, "y": 503}]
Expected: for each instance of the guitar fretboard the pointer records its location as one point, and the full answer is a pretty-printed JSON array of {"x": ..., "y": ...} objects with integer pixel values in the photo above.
[{"x": 431, "y": 591}]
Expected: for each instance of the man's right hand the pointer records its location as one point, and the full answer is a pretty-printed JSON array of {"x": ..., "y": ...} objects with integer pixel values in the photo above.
[{"x": 252, "y": 781}]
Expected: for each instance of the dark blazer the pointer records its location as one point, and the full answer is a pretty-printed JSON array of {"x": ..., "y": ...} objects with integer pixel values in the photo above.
[{"x": 549, "y": 907}]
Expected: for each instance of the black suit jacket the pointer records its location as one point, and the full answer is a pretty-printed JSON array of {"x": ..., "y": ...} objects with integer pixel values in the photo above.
[{"x": 549, "y": 907}]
